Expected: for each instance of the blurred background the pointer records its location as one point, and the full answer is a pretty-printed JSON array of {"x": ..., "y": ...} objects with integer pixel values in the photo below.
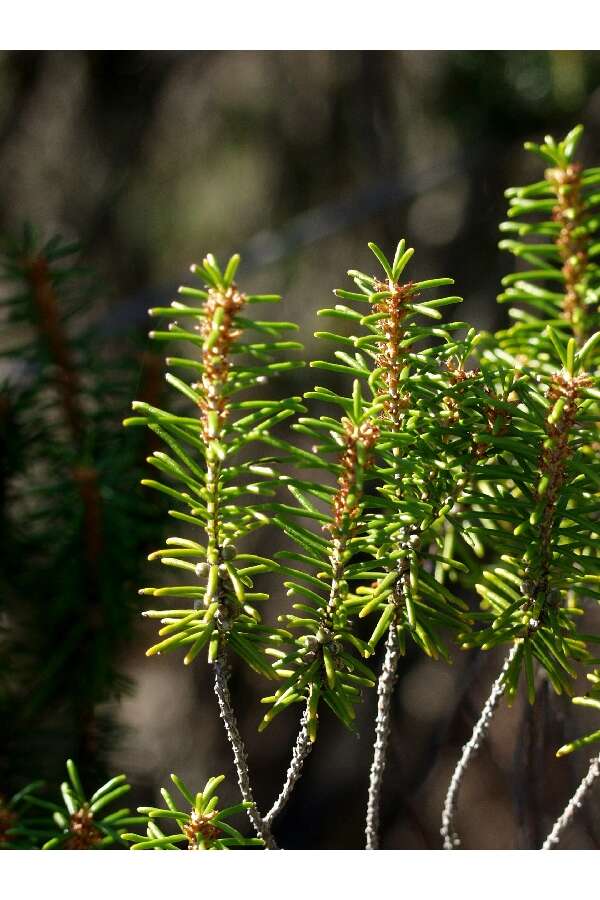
[{"x": 296, "y": 160}]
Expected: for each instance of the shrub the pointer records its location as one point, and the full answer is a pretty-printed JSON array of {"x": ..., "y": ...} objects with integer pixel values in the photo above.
[{"x": 456, "y": 462}]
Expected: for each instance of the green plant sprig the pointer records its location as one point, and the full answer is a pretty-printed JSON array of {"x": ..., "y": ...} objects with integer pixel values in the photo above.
[
  {"x": 204, "y": 827},
  {"x": 560, "y": 243},
  {"x": 215, "y": 490},
  {"x": 416, "y": 374},
  {"x": 543, "y": 523},
  {"x": 76, "y": 823},
  {"x": 322, "y": 664}
]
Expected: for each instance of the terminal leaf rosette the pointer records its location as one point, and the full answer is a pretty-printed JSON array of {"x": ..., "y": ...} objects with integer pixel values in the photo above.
[
  {"x": 79, "y": 822},
  {"x": 201, "y": 826}
]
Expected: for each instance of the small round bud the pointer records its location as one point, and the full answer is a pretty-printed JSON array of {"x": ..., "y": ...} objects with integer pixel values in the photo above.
[
  {"x": 228, "y": 552},
  {"x": 202, "y": 570}
]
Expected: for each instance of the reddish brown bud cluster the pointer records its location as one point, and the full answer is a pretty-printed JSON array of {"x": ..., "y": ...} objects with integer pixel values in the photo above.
[
  {"x": 458, "y": 375},
  {"x": 573, "y": 248},
  {"x": 218, "y": 333},
  {"x": 390, "y": 357},
  {"x": 200, "y": 825},
  {"x": 345, "y": 501},
  {"x": 554, "y": 457},
  {"x": 83, "y": 833},
  {"x": 553, "y": 465}
]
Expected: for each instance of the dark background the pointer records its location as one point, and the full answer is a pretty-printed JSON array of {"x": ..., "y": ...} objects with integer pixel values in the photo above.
[{"x": 297, "y": 159}]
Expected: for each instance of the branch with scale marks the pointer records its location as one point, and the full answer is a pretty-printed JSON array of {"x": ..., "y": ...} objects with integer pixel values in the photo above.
[
  {"x": 591, "y": 700},
  {"x": 204, "y": 827},
  {"x": 416, "y": 375},
  {"x": 415, "y": 458},
  {"x": 385, "y": 690},
  {"x": 301, "y": 750},
  {"x": 573, "y": 805},
  {"x": 212, "y": 487},
  {"x": 261, "y": 825},
  {"x": 448, "y": 830},
  {"x": 541, "y": 516},
  {"x": 540, "y": 512}
]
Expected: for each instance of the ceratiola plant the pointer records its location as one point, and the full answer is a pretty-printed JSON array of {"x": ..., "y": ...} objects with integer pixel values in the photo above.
[
  {"x": 206, "y": 464},
  {"x": 416, "y": 375},
  {"x": 542, "y": 506},
  {"x": 455, "y": 464},
  {"x": 400, "y": 461}
]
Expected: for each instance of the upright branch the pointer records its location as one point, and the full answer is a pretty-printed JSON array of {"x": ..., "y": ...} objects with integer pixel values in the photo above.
[
  {"x": 418, "y": 393},
  {"x": 219, "y": 333},
  {"x": 326, "y": 647},
  {"x": 223, "y": 613},
  {"x": 50, "y": 322},
  {"x": 321, "y": 664},
  {"x": 525, "y": 510},
  {"x": 301, "y": 750},
  {"x": 41, "y": 279},
  {"x": 532, "y": 595},
  {"x": 385, "y": 690},
  {"x": 261, "y": 826}
]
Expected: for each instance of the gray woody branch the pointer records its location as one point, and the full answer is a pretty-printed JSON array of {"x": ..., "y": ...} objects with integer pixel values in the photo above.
[
  {"x": 221, "y": 668},
  {"x": 302, "y": 748},
  {"x": 449, "y": 833},
  {"x": 385, "y": 687},
  {"x": 573, "y": 805}
]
